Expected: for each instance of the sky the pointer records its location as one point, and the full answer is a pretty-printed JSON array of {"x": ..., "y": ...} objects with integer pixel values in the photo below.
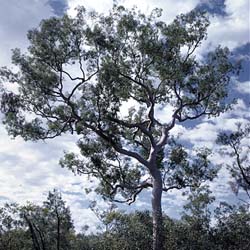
[{"x": 29, "y": 170}]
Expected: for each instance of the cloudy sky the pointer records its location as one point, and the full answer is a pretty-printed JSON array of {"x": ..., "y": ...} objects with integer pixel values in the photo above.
[{"x": 29, "y": 170}]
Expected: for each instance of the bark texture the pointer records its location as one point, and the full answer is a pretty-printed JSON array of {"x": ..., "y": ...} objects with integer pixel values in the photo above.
[{"x": 157, "y": 210}]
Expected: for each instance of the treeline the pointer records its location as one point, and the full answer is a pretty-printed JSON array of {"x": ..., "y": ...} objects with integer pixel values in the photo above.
[{"x": 50, "y": 227}]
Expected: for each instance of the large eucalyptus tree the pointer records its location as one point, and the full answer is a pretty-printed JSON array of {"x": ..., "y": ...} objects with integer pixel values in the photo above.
[{"x": 78, "y": 76}]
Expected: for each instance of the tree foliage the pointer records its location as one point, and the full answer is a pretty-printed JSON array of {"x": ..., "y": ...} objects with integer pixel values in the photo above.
[
  {"x": 12, "y": 233},
  {"x": 117, "y": 58},
  {"x": 79, "y": 74},
  {"x": 236, "y": 145},
  {"x": 46, "y": 227},
  {"x": 233, "y": 227}
]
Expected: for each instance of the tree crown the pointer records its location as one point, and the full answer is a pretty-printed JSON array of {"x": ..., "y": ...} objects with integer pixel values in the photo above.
[{"x": 80, "y": 72}]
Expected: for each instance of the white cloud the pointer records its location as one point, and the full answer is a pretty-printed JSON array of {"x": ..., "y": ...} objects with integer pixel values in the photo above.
[
  {"x": 243, "y": 87},
  {"x": 29, "y": 170},
  {"x": 164, "y": 115},
  {"x": 239, "y": 112},
  {"x": 103, "y": 6},
  {"x": 232, "y": 30},
  {"x": 16, "y": 18},
  {"x": 206, "y": 131},
  {"x": 170, "y": 8},
  {"x": 204, "y": 134}
]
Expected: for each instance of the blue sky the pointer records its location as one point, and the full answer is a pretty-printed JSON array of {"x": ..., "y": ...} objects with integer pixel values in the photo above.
[{"x": 29, "y": 170}]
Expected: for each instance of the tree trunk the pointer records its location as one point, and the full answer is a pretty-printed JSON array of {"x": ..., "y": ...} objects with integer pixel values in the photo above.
[
  {"x": 58, "y": 231},
  {"x": 35, "y": 241},
  {"x": 157, "y": 210}
]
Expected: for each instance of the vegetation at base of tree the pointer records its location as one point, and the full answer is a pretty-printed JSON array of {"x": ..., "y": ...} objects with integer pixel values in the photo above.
[
  {"x": 50, "y": 227},
  {"x": 31, "y": 226},
  {"x": 236, "y": 145}
]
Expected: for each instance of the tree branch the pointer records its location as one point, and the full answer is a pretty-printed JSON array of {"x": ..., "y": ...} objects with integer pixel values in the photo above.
[
  {"x": 117, "y": 147},
  {"x": 139, "y": 125},
  {"x": 239, "y": 164}
]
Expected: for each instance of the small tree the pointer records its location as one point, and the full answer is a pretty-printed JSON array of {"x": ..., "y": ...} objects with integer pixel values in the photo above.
[
  {"x": 232, "y": 227},
  {"x": 79, "y": 74},
  {"x": 236, "y": 145},
  {"x": 46, "y": 227},
  {"x": 13, "y": 235},
  {"x": 197, "y": 218},
  {"x": 129, "y": 230},
  {"x": 50, "y": 226}
]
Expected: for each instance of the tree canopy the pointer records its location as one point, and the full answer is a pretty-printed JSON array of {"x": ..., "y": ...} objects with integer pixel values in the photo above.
[
  {"x": 239, "y": 151},
  {"x": 80, "y": 73}
]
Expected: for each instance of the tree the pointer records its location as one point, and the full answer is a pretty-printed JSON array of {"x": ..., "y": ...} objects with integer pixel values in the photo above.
[
  {"x": 80, "y": 73},
  {"x": 125, "y": 231},
  {"x": 12, "y": 230},
  {"x": 232, "y": 227},
  {"x": 236, "y": 146},
  {"x": 29, "y": 227},
  {"x": 50, "y": 225},
  {"x": 197, "y": 217}
]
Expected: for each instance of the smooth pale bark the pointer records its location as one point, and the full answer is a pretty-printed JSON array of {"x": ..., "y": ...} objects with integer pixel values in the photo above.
[{"x": 157, "y": 210}]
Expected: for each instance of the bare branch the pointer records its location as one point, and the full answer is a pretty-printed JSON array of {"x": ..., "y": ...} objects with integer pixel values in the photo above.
[
  {"x": 139, "y": 125},
  {"x": 138, "y": 189},
  {"x": 80, "y": 83},
  {"x": 136, "y": 82},
  {"x": 72, "y": 78},
  {"x": 238, "y": 161},
  {"x": 116, "y": 146}
]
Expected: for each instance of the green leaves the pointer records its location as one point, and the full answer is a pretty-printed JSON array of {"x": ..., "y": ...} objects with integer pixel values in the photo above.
[
  {"x": 236, "y": 146},
  {"x": 37, "y": 227},
  {"x": 75, "y": 71},
  {"x": 183, "y": 170}
]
